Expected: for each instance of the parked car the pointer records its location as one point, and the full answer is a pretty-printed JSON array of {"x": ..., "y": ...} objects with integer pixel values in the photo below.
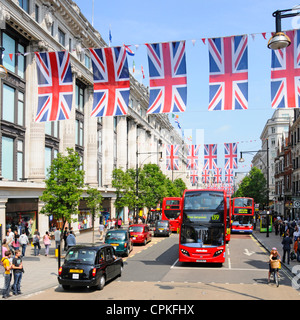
[
  {"x": 140, "y": 233},
  {"x": 89, "y": 266},
  {"x": 120, "y": 240},
  {"x": 162, "y": 228}
]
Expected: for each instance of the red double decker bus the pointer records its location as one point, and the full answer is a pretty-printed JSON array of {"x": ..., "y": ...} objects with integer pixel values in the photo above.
[
  {"x": 203, "y": 226},
  {"x": 242, "y": 215},
  {"x": 171, "y": 208},
  {"x": 228, "y": 218}
]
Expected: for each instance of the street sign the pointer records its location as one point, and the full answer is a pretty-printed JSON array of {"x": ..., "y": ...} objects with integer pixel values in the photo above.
[{"x": 296, "y": 203}]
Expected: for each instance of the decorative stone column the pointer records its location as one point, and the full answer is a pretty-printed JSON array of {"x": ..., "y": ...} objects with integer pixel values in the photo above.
[
  {"x": 3, "y": 215},
  {"x": 122, "y": 143}
]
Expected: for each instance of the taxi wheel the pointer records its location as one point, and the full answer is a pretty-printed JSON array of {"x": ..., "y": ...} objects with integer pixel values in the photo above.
[
  {"x": 101, "y": 284},
  {"x": 121, "y": 270}
]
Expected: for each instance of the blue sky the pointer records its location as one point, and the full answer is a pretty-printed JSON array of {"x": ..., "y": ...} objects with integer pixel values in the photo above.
[{"x": 136, "y": 22}]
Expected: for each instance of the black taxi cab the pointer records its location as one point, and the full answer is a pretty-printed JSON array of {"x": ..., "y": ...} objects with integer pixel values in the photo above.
[{"x": 89, "y": 266}]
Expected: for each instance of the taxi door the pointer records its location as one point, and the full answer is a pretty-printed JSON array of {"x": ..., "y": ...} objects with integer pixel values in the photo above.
[{"x": 110, "y": 265}]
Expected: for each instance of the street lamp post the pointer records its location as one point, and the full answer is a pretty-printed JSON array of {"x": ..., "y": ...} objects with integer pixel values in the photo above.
[
  {"x": 242, "y": 160},
  {"x": 280, "y": 40},
  {"x": 137, "y": 175}
]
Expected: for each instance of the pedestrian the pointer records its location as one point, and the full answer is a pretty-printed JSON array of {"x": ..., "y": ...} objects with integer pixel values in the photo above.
[
  {"x": 47, "y": 243},
  {"x": 71, "y": 240},
  {"x": 17, "y": 267},
  {"x": 286, "y": 242},
  {"x": 7, "y": 276},
  {"x": 297, "y": 248},
  {"x": 276, "y": 225},
  {"x": 23, "y": 242},
  {"x": 36, "y": 243},
  {"x": 108, "y": 224},
  {"x": 119, "y": 223},
  {"x": 57, "y": 237},
  {"x": 5, "y": 248},
  {"x": 9, "y": 239},
  {"x": 16, "y": 243},
  {"x": 281, "y": 228},
  {"x": 296, "y": 233},
  {"x": 65, "y": 238},
  {"x": 101, "y": 230}
]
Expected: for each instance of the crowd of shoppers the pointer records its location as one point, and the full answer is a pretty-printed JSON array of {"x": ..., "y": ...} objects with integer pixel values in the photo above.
[{"x": 290, "y": 233}]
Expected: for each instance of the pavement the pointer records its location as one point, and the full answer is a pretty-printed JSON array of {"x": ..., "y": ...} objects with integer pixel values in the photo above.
[{"x": 41, "y": 271}]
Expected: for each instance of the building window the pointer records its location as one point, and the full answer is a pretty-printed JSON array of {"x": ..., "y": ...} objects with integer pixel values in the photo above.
[
  {"x": 79, "y": 132},
  {"x": 12, "y": 153},
  {"x": 79, "y": 97},
  {"x": 7, "y": 158},
  {"x": 37, "y": 13},
  {"x": 24, "y": 4},
  {"x": 61, "y": 37},
  {"x": 87, "y": 61},
  {"x": 50, "y": 154},
  {"x": 52, "y": 128},
  {"x": 14, "y": 63},
  {"x": 13, "y": 105},
  {"x": 20, "y": 159}
]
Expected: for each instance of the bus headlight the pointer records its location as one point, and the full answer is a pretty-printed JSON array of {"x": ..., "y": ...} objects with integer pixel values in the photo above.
[
  {"x": 217, "y": 253},
  {"x": 185, "y": 252}
]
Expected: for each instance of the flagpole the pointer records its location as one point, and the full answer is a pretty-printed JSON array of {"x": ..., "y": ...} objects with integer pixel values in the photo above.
[{"x": 93, "y": 14}]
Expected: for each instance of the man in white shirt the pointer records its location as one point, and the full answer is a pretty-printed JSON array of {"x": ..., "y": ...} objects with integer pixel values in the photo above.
[
  {"x": 101, "y": 230},
  {"x": 23, "y": 242}
]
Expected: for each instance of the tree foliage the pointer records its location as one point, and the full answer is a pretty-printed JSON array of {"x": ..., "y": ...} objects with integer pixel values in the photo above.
[
  {"x": 254, "y": 185},
  {"x": 153, "y": 186},
  {"x": 63, "y": 187}
]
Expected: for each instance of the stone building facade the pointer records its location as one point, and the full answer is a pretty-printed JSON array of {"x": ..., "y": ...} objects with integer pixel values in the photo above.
[{"x": 27, "y": 147}]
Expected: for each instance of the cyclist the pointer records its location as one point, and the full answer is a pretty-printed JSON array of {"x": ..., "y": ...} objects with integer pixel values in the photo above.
[{"x": 273, "y": 256}]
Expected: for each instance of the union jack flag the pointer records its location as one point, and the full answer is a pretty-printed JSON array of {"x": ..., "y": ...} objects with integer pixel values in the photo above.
[
  {"x": 194, "y": 177},
  {"x": 285, "y": 74},
  {"x": 111, "y": 82},
  {"x": 218, "y": 175},
  {"x": 55, "y": 86},
  {"x": 210, "y": 156},
  {"x": 168, "y": 80},
  {"x": 205, "y": 176},
  {"x": 230, "y": 153},
  {"x": 172, "y": 157},
  {"x": 228, "y": 175},
  {"x": 192, "y": 157},
  {"x": 228, "y": 73}
]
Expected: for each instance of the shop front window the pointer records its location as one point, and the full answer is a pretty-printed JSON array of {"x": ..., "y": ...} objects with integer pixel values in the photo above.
[{"x": 85, "y": 220}]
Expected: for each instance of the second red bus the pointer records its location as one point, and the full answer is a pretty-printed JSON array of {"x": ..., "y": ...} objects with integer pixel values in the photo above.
[
  {"x": 171, "y": 209},
  {"x": 242, "y": 215}
]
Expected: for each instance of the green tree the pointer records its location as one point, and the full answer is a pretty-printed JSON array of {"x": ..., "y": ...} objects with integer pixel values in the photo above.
[
  {"x": 124, "y": 182},
  {"x": 63, "y": 187},
  {"x": 152, "y": 186},
  {"x": 254, "y": 185},
  {"x": 94, "y": 202},
  {"x": 180, "y": 186}
]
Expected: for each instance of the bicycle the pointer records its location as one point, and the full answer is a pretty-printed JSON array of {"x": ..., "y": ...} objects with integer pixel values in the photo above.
[{"x": 275, "y": 265}]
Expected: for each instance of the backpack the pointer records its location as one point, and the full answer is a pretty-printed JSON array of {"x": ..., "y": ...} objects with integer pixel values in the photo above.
[{"x": 2, "y": 269}]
